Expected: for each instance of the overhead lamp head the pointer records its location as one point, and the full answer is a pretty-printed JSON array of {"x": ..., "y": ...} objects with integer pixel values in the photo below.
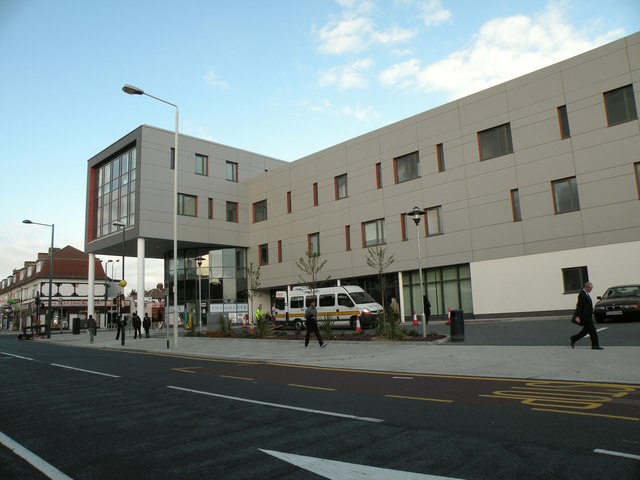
[
  {"x": 131, "y": 90},
  {"x": 27, "y": 221}
]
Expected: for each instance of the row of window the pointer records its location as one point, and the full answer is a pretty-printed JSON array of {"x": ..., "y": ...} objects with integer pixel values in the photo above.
[{"x": 201, "y": 166}]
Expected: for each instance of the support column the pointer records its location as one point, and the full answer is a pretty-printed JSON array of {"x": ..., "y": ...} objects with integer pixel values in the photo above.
[
  {"x": 91, "y": 305},
  {"x": 140, "y": 284},
  {"x": 401, "y": 296}
]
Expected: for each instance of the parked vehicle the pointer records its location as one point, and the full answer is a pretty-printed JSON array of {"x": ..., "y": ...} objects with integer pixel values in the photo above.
[
  {"x": 622, "y": 302},
  {"x": 342, "y": 305}
]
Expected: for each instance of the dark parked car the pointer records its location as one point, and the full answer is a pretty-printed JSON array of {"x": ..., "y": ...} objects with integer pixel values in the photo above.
[{"x": 621, "y": 302}]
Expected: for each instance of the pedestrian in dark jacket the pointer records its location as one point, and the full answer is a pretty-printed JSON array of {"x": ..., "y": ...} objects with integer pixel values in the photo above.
[
  {"x": 583, "y": 316},
  {"x": 311, "y": 320},
  {"x": 137, "y": 324},
  {"x": 146, "y": 324},
  {"x": 91, "y": 328}
]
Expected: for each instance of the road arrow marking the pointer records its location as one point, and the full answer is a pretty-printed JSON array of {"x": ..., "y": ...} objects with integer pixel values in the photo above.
[{"x": 348, "y": 471}]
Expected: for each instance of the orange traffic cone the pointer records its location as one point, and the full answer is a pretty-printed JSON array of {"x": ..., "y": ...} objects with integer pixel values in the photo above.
[
  {"x": 415, "y": 318},
  {"x": 449, "y": 317},
  {"x": 358, "y": 329}
]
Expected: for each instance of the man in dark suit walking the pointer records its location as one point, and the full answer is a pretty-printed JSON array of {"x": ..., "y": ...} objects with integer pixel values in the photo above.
[{"x": 583, "y": 316}]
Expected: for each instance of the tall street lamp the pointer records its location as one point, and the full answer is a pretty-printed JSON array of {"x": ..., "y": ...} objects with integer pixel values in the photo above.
[
  {"x": 131, "y": 90},
  {"x": 47, "y": 322},
  {"x": 416, "y": 213},
  {"x": 123, "y": 282},
  {"x": 199, "y": 262},
  {"x": 106, "y": 292}
]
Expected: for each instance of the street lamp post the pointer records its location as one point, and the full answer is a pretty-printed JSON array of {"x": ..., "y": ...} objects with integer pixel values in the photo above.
[
  {"x": 123, "y": 282},
  {"x": 416, "y": 213},
  {"x": 131, "y": 90},
  {"x": 199, "y": 262},
  {"x": 106, "y": 293},
  {"x": 47, "y": 322}
]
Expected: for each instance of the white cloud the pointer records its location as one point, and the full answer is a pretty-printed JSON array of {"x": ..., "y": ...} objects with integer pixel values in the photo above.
[
  {"x": 359, "y": 113},
  {"x": 212, "y": 79},
  {"x": 433, "y": 13},
  {"x": 362, "y": 114},
  {"x": 503, "y": 49},
  {"x": 347, "y": 77}
]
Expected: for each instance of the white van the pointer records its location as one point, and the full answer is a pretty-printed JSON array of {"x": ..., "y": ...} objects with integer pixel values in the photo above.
[{"x": 341, "y": 305}]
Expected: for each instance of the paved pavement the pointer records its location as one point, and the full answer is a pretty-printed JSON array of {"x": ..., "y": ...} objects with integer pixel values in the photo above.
[{"x": 613, "y": 364}]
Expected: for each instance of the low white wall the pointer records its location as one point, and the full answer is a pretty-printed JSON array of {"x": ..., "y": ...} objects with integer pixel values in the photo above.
[{"x": 533, "y": 283}]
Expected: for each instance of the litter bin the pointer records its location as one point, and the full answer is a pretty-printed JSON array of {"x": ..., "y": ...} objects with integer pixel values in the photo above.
[
  {"x": 457, "y": 326},
  {"x": 76, "y": 326}
]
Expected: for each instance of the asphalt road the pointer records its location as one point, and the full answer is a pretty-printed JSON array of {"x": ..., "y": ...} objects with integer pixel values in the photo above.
[{"x": 106, "y": 414}]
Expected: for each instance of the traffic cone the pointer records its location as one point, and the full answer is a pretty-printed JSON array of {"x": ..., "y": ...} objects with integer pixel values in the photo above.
[
  {"x": 415, "y": 318},
  {"x": 358, "y": 329},
  {"x": 449, "y": 317}
]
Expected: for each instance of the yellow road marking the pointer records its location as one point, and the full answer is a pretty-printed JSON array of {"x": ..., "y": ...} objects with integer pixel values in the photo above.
[
  {"x": 236, "y": 378},
  {"x": 424, "y": 399},
  {"x": 311, "y": 387},
  {"x": 634, "y": 419}
]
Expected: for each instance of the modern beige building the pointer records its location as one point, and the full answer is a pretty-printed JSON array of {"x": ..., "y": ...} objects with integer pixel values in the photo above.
[{"x": 528, "y": 189}]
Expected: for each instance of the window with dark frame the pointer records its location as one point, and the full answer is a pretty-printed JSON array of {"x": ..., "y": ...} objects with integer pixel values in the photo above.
[
  {"x": 620, "y": 105},
  {"x": 340, "y": 186},
  {"x": 574, "y": 278},
  {"x": 187, "y": 205},
  {"x": 403, "y": 227},
  {"x": 378, "y": 175},
  {"x": 263, "y": 254},
  {"x": 232, "y": 212},
  {"x": 636, "y": 166},
  {"x": 279, "y": 251},
  {"x": 495, "y": 142},
  {"x": 260, "y": 211},
  {"x": 313, "y": 244},
  {"x": 515, "y": 205},
  {"x": 563, "y": 120},
  {"x": 315, "y": 194},
  {"x": 373, "y": 233},
  {"x": 347, "y": 237},
  {"x": 433, "y": 221},
  {"x": 440, "y": 157},
  {"x": 232, "y": 171},
  {"x": 406, "y": 167},
  {"x": 289, "y": 202},
  {"x": 210, "y": 205},
  {"x": 565, "y": 195},
  {"x": 172, "y": 160},
  {"x": 202, "y": 165}
]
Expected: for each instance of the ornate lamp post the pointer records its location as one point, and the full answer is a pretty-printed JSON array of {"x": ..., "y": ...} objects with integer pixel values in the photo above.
[
  {"x": 416, "y": 213},
  {"x": 199, "y": 261}
]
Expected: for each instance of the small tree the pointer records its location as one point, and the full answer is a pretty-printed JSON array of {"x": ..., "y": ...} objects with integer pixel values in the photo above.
[
  {"x": 311, "y": 266},
  {"x": 377, "y": 259},
  {"x": 253, "y": 278}
]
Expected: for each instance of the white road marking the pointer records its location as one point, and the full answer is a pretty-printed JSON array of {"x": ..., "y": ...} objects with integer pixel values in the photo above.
[
  {"x": 38, "y": 463},
  {"x": 402, "y": 378},
  {"x": 617, "y": 454},
  {"x": 277, "y": 405},
  {"x": 600, "y": 329},
  {"x": 17, "y": 356},
  {"x": 86, "y": 371},
  {"x": 349, "y": 471}
]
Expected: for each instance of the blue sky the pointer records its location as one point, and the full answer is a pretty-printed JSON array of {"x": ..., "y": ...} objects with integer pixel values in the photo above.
[{"x": 284, "y": 78}]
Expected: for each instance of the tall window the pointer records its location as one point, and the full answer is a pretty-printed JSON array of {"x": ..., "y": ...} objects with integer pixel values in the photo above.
[
  {"x": 263, "y": 254},
  {"x": 347, "y": 237},
  {"x": 232, "y": 212},
  {"x": 574, "y": 279},
  {"x": 202, "y": 164},
  {"x": 620, "y": 105},
  {"x": 515, "y": 205},
  {"x": 232, "y": 171},
  {"x": 434, "y": 221},
  {"x": 289, "y": 202},
  {"x": 187, "y": 205},
  {"x": 440, "y": 157},
  {"x": 340, "y": 185},
  {"x": 315, "y": 194},
  {"x": 172, "y": 161},
  {"x": 637, "y": 169},
  {"x": 279, "y": 251},
  {"x": 210, "y": 205},
  {"x": 565, "y": 195},
  {"x": 495, "y": 142},
  {"x": 378, "y": 175},
  {"x": 406, "y": 167},
  {"x": 313, "y": 240},
  {"x": 563, "y": 120},
  {"x": 403, "y": 227},
  {"x": 115, "y": 193},
  {"x": 373, "y": 233},
  {"x": 260, "y": 211}
]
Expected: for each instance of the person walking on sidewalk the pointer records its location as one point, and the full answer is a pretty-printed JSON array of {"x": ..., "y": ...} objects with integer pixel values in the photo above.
[
  {"x": 146, "y": 324},
  {"x": 91, "y": 328},
  {"x": 311, "y": 320},
  {"x": 137, "y": 325},
  {"x": 583, "y": 316}
]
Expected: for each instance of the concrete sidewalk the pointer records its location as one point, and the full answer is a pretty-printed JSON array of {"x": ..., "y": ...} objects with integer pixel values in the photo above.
[{"x": 614, "y": 364}]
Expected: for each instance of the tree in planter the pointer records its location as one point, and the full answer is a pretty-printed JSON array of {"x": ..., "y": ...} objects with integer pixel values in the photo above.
[
  {"x": 253, "y": 277},
  {"x": 311, "y": 266},
  {"x": 377, "y": 259}
]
